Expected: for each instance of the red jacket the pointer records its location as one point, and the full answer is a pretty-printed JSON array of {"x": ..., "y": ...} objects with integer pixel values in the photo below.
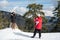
[{"x": 38, "y": 22}]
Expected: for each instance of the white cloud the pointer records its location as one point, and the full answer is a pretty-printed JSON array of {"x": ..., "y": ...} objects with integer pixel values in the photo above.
[
  {"x": 50, "y": 8},
  {"x": 19, "y": 10},
  {"x": 3, "y": 3},
  {"x": 48, "y": 13},
  {"x": 22, "y": 10}
]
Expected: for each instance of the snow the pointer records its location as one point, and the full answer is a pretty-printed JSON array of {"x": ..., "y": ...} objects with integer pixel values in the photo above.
[{"x": 10, "y": 34}]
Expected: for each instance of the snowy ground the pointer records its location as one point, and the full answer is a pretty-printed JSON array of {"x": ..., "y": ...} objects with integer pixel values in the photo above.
[{"x": 9, "y": 34}]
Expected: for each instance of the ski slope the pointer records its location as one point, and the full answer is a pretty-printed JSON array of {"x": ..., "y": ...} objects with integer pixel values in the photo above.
[{"x": 9, "y": 34}]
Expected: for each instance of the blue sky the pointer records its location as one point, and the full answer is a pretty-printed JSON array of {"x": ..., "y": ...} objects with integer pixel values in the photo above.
[{"x": 7, "y": 5}]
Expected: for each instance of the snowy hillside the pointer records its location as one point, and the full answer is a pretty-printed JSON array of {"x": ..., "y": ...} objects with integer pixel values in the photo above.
[{"x": 9, "y": 34}]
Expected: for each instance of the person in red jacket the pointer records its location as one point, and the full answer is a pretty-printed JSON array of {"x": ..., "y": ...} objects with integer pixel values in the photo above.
[{"x": 38, "y": 25}]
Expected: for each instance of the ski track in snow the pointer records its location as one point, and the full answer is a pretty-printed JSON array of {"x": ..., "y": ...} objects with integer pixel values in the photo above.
[{"x": 9, "y": 34}]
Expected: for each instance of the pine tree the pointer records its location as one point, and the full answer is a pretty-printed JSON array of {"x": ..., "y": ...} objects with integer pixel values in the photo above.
[
  {"x": 57, "y": 27},
  {"x": 3, "y": 20}
]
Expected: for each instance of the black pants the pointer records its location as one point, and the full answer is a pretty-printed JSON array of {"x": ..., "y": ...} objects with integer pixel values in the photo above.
[{"x": 37, "y": 30}]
